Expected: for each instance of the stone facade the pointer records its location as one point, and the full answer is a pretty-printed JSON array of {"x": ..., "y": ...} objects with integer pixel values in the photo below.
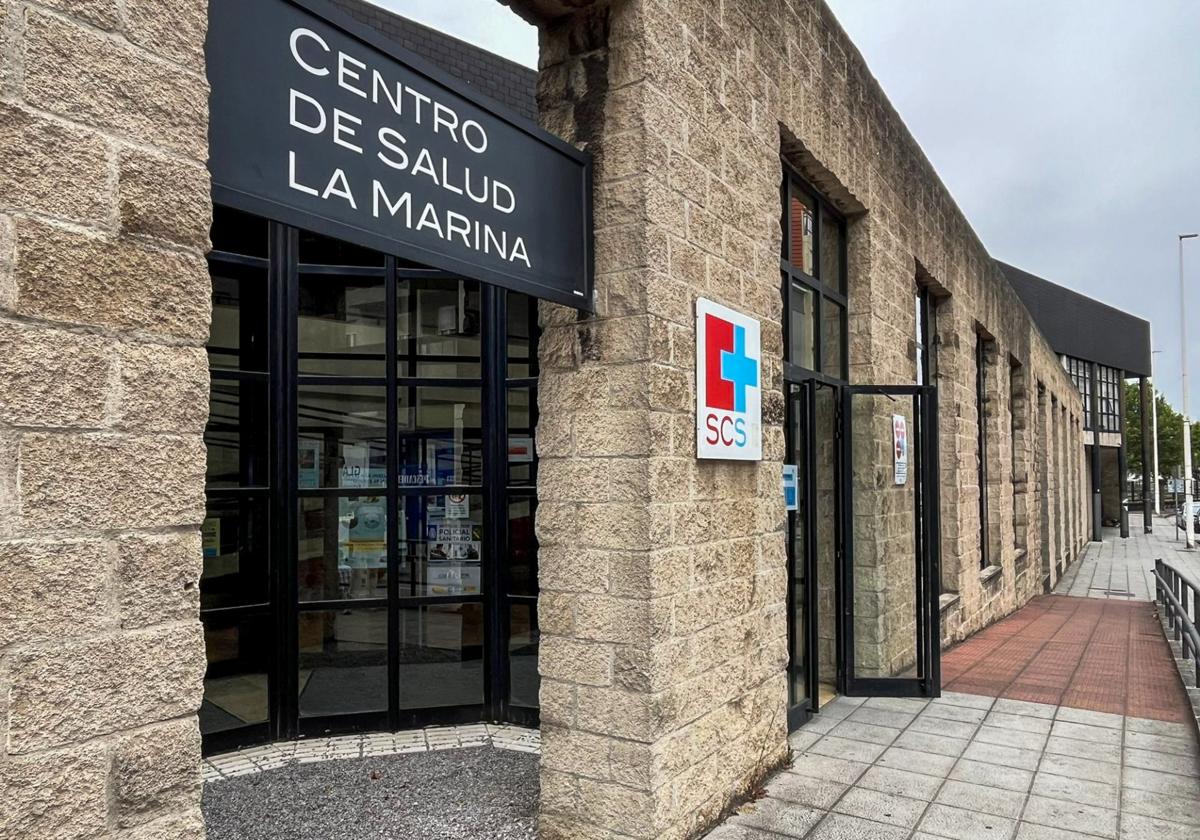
[
  {"x": 664, "y": 578},
  {"x": 104, "y": 310}
]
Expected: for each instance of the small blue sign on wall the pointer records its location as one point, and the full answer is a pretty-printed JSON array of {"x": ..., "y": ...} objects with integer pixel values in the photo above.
[{"x": 791, "y": 488}]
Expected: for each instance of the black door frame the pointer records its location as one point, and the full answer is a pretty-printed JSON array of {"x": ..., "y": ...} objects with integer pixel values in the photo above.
[
  {"x": 283, "y": 269},
  {"x": 927, "y": 527}
]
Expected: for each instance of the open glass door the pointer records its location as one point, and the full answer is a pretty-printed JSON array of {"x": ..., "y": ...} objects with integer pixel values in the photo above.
[
  {"x": 890, "y": 639},
  {"x": 813, "y": 536}
]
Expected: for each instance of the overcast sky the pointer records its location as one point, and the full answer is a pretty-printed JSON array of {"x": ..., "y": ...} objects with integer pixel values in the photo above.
[{"x": 1068, "y": 131}]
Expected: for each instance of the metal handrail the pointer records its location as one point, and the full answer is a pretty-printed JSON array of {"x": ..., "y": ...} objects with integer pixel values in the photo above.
[{"x": 1174, "y": 591}]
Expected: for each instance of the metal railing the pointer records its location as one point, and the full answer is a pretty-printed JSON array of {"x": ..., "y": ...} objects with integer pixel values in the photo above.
[{"x": 1178, "y": 595}]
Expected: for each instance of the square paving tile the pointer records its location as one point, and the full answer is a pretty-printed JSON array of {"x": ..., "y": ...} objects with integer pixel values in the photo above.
[
  {"x": 989, "y": 800},
  {"x": 806, "y": 790},
  {"x": 883, "y": 717},
  {"x": 943, "y": 726},
  {"x": 1136, "y": 827},
  {"x": 992, "y": 775},
  {"x": 1085, "y": 732},
  {"x": 846, "y": 827},
  {"x": 1081, "y": 768},
  {"x": 856, "y": 731},
  {"x": 901, "y": 782},
  {"x": 927, "y": 743},
  {"x": 1168, "y": 783},
  {"x": 1004, "y": 756},
  {"x": 961, "y": 824},
  {"x": 786, "y": 818},
  {"x": 966, "y": 714},
  {"x": 1076, "y": 790},
  {"x": 1024, "y": 707},
  {"x": 1010, "y": 738},
  {"x": 919, "y": 762},
  {"x": 1183, "y": 765},
  {"x": 1023, "y": 723},
  {"x": 1058, "y": 745},
  {"x": 1161, "y": 806},
  {"x": 1086, "y": 716},
  {"x": 835, "y": 747},
  {"x": 1160, "y": 743},
  {"x": 1058, "y": 813},
  {"x": 827, "y": 767},
  {"x": 881, "y": 807}
]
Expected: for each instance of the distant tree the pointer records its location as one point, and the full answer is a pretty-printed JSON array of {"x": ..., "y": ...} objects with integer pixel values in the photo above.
[{"x": 1170, "y": 434}]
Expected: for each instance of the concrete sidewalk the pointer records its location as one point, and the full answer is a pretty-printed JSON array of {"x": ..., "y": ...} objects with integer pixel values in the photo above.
[
  {"x": 1070, "y": 723},
  {"x": 968, "y": 767}
]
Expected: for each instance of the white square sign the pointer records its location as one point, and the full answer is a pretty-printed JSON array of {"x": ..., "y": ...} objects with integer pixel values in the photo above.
[{"x": 728, "y": 384}]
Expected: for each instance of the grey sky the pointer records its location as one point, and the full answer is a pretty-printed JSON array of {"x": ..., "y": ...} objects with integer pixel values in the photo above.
[{"x": 1068, "y": 131}]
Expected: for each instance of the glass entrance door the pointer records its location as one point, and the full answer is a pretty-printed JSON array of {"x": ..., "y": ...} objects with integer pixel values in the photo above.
[
  {"x": 890, "y": 633},
  {"x": 814, "y": 535},
  {"x": 370, "y": 558}
]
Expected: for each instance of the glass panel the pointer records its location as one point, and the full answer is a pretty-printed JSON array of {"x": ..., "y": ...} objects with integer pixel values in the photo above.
[
  {"x": 802, "y": 322},
  {"x": 323, "y": 250},
  {"x": 832, "y": 319},
  {"x": 441, "y": 656},
  {"x": 522, "y": 458},
  {"x": 343, "y": 662},
  {"x": 522, "y": 546},
  {"x": 522, "y": 335},
  {"x": 440, "y": 436},
  {"x": 342, "y": 436},
  {"x": 884, "y": 533},
  {"x": 800, "y": 241},
  {"x": 438, "y": 328},
  {"x": 236, "y": 434},
  {"x": 341, "y": 547},
  {"x": 237, "y": 335},
  {"x": 831, "y": 251},
  {"x": 235, "y": 550},
  {"x": 235, "y": 685},
  {"x": 523, "y": 638},
  {"x": 798, "y": 665},
  {"x": 239, "y": 233},
  {"x": 441, "y": 545},
  {"x": 824, "y": 497},
  {"x": 342, "y": 325}
]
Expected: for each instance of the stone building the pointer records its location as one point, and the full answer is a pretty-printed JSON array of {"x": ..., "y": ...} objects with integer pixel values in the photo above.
[{"x": 276, "y": 461}]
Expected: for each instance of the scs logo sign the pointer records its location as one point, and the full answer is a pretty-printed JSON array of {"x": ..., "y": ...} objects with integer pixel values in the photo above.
[{"x": 728, "y": 384}]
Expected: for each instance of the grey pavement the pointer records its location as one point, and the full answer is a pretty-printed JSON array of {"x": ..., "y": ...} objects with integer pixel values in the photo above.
[
  {"x": 1120, "y": 568},
  {"x": 966, "y": 767}
]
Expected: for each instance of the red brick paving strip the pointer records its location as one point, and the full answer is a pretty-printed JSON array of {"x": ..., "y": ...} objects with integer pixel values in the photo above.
[{"x": 1088, "y": 653}]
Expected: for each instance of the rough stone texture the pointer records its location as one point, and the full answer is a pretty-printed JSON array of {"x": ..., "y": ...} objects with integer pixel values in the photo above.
[
  {"x": 104, "y": 311},
  {"x": 155, "y": 772},
  {"x": 162, "y": 199},
  {"x": 687, "y": 108}
]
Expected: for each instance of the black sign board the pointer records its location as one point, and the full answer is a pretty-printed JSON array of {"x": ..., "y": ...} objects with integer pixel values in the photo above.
[{"x": 321, "y": 122}]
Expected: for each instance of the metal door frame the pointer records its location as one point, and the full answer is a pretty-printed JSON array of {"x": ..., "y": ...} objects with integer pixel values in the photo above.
[{"x": 926, "y": 525}]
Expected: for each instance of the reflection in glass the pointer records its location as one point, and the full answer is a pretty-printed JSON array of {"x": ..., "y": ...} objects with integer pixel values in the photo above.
[
  {"x": 341, "y": 547},
  {"x": 441, "y": 544},
  {"x": 440, "y": 436},
  {"x": 236, "y": 434},
  {"x": 316, "y": 249},
  {"x": 235, "y": 684},
  {"x": 237, "y": 334},
  {"x": 441, "y": 656},
  {"x": 236, "y": 232},
  {"x": 438, "y": 328},
  {"x": 522, "y": 546},
  {"x": 798, "y": 665},
  {"x": 523, "y": 655},
  {"x": 342, "y": 437},
  {"x": 884, "y": 534},
  {"x": 522, "y": 414},
  {"x": 234, "y": 547},
  {"x": 831, "y": 251},
  {"x": 343, "y": 662},
  {"x": 802, "y": 324},
  {"x": 801, "y": 234},
  {"x": 342, "y": 325},
  {"x": 522, "y": 333},
  {"x": 832, "y": 360}
]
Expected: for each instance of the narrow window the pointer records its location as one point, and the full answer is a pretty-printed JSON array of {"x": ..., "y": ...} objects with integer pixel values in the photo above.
[
  {"x": 926, "y": 336},
  {"x": 1018, "y": 429},
  {"x": 981, "y": 450}
]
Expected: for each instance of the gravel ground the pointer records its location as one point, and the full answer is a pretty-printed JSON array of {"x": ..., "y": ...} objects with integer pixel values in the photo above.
[{"x": 473, "y": 793}]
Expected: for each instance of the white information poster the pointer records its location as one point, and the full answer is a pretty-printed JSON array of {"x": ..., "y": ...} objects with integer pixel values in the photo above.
[{"x": 900, "y": 448}]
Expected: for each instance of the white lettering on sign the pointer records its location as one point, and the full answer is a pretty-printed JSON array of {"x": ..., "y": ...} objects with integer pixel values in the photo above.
[{"x": 308, "y": 114}]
